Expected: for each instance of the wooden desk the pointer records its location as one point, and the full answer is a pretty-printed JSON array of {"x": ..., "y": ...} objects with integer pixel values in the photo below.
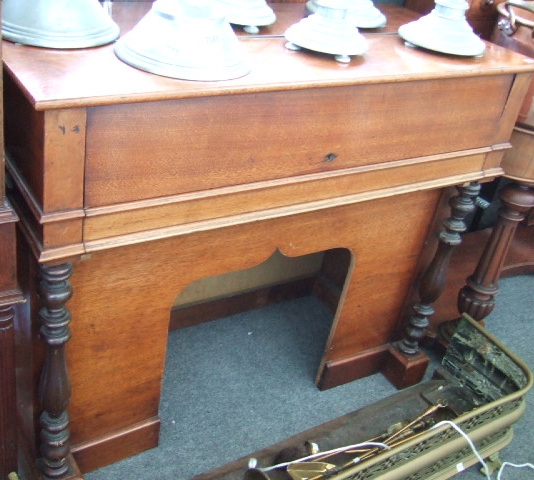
[{"x": 130, "y": 186}]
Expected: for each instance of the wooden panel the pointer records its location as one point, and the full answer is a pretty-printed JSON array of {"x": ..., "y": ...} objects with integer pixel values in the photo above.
[
  {"x": 276, "y": 270},
  {"x": 8, "y": 424},
  {"x": 8, "y": 277},
  {"x": 123, "y": 297},
  {"x": 207, "y": 143},
  {"x": 514, "y": 105},
  {"x": 194, "y": 314},
  {"x": 60, "y": 152},
  {"x": 64, "y": 154},
  {"x": 519, "y": 161},
  {"x": 120, "y": 444},
  {"x": 214, "y": 209},
  {"x": 9, "y": 295},
  {"x": 24, "y": 136}
]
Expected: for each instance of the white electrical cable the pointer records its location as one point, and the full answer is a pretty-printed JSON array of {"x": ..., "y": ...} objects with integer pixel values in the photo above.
[
  {"x": 387, "y": 447},
  {"x": 469, "y": 441},
  {"x": 508, "y": 464},
  {"x": 475, "y": 451},
  {"x": 328, "y": 452}
]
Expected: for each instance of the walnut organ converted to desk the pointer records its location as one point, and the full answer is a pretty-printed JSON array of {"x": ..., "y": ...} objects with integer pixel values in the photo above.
[{"x": 129, "y": 186}]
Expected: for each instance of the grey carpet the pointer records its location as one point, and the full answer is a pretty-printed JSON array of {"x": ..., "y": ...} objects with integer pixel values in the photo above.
[{"x": 244, "y": 382}]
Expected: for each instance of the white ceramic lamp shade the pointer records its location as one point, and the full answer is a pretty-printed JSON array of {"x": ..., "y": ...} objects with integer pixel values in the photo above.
[
  {"x": 329, "y": 30},
  {"x": 57, "y": 23},
  {"x": 249, "y": 14},
  {"x": 190, "y": 40},
  {"x": 444, "y": 29},
  {"x": 361, "y": 13}
]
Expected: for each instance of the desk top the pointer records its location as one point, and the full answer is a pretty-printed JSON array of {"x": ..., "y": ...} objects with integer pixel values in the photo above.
[
  {"x": 53, "y": 79},
  {"x": 156, "y": 157}
]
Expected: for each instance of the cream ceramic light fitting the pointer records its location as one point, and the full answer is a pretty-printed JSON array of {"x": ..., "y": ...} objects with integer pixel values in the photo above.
[
  {"x": 57, "y": 23},
  {"x": 361, "y": 13},
  {"x": 249, "y": 14},
  {"x": 445, "y": 29},
  {"x": 329, "y": 30},
  {"x": 186, "y": 39}
]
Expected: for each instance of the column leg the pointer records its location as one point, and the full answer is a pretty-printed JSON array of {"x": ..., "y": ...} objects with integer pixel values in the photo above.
[
  {"x": 477, "y": 297},
  {"x": 54, "y": 388},
  {"x": 408, "y": 363}
]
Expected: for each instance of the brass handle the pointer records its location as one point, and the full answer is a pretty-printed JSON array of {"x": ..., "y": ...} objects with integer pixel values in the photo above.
[{"x": 512, "y": 21}]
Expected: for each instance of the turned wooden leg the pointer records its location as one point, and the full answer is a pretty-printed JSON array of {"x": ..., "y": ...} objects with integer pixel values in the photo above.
[
  {"x": 54, "y": 387},
  {"x": 477, "y": 297},
  {"x": 408, "y": 363},
  {"x": 433, "y": 281}
]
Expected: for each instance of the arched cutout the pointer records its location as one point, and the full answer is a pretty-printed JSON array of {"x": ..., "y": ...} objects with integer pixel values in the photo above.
[
  {"x": 279, "y": 278},
  {"x": 276, "y": 279}
]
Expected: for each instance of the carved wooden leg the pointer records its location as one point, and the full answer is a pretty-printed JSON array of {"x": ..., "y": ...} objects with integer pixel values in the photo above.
[
  {"x": 433, "y": 281},
  {"x": 409, "y": 363},
  {"x": 54, "y": 388},
  {"x": 8, "y": 430},
  {"x": 477, "y": 297}
]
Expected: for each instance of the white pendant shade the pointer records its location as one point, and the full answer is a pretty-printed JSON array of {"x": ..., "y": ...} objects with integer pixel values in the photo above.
[
  {"x": 190, "y": 40},
  {"x": 361, "y": 13},
  {"x": 57, "y": 23},
  {"x": 444, "y": 29},
  {"x": 328, "y": 31},
  {"x": 250, "y": 14}
]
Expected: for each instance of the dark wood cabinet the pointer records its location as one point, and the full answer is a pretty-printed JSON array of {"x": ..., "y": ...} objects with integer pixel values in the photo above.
[{"x": 9, "y": 297}]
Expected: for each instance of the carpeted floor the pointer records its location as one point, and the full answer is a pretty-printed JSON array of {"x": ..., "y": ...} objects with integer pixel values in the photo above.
[{"x": 244, "y": 382}]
